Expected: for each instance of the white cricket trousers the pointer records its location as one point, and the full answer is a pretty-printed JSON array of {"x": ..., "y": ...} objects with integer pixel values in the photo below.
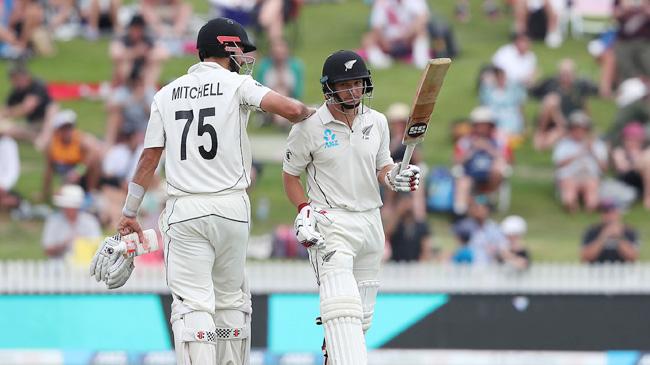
[
  {"x": 347, "y": 269},
  {"x": 205, "y": 241}
]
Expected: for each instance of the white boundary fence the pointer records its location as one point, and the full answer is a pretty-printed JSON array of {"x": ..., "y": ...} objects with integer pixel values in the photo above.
[{"x": 42, "y": 277}]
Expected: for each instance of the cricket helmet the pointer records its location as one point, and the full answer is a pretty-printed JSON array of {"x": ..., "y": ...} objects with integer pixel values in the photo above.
[
  {"x": 345, "y": 65},
  {"x": 221, "y": 37}
]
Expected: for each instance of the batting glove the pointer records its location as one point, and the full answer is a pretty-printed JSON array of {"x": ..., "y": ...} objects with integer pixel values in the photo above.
[
  {"x": 107, "y": 254},
  {"x": 119, "y": 272},
  {"x": 403, "y": 181},
  {"x": 305, "y": 225}
]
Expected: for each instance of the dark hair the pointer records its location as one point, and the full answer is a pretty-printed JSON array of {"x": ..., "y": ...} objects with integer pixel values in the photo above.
[
  {"x": 137, "y": 21},
  {"x": 18, "y": 68}
]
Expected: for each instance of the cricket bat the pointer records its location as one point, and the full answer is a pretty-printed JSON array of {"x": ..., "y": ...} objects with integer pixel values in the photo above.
[{"x": 423, "y": 104}]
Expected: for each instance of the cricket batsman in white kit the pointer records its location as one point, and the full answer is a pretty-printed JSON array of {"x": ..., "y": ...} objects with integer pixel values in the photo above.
[
  {"x": 199, "y": 120},
  {"x": 344, "y": 150}
]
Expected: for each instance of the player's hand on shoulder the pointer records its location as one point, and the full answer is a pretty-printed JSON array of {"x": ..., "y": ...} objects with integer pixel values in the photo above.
[
  {"x": 305, "y": 225},
  {"x": 403, "y": 181}
]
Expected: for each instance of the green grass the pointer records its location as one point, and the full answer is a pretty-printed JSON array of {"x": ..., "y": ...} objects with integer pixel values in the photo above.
[{"x": 327, "y": 27}]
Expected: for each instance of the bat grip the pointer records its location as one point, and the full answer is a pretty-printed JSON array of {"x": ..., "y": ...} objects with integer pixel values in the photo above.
[{"x": 407, "y": 157}]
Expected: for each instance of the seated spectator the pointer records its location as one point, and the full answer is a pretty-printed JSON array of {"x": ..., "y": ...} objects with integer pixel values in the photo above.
[
  {"x": 561, "y": 96},
  {"x": 631, "y": 46},
  {"x": 409, "y": 237},
  {"x": 167, "y": 18},
  {"x": 633, "y": 102},
  {"x": 282, "y": 73},
  {"x": 481, "y": 159},
  {"x": 486, "y": 241},
  {"x": 611, "y": 240},
  {"x": 64, "y": 227},
  {"x": 62, "y": 19},
  {"x": 397, "y": 115},
  {"x": 10, "y": 47},
  {"x": 128, "y": 107},
  {"x": 136, "y": 51},
  {"x": 540, "y": 19},
  {"x": 29, "y": 100},
  {"x": 398, "y": 29},
  {"x": 100, "y": 16},
  {"x": 26, "y": 21},
  {"x": 516, "y": 254},
  {"x": 580, "y": 159},
  {"x": 10, "y": 167},
  {"x": 506, "y": 100},
  {"x": 517, "y": 60},
  {"x": 632, "y": 161},
  {"x": 72, "y": 154}
]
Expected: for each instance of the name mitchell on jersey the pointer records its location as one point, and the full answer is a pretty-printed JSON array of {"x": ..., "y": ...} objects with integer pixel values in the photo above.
[{"x": 196, "y": 92}]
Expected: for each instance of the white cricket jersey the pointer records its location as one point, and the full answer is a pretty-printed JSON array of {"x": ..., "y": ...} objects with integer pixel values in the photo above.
[
  {"x": 201, "y": 118},
  {"x": 341, "y": 162}
]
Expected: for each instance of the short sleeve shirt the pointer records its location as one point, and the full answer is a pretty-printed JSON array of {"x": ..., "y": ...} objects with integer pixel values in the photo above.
[
  {"x": 201, "y": 119},
  {"x": 341, "y": 163}
]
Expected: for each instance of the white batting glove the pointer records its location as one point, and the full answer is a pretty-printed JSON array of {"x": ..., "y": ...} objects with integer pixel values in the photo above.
[
  {"x": 404, "y": 181},
  {"x": 108, "y": 253},
  {"x": 305, "y": 225},
  {"x": 119, "y": 272}
]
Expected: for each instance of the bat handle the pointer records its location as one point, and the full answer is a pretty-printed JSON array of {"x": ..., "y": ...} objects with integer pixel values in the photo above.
[{"x": 407, "y": 157}]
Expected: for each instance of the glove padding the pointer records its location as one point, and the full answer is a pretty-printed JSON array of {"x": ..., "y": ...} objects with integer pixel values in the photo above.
[
  {"x": 108, "y": 253},
  {"x": 305, "y": 226},
  {"x": 119, "y": 272},
  {"x": 404, "y": 181}
]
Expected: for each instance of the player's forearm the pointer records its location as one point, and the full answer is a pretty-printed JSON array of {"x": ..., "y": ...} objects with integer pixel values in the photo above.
[
  {"x": 141, "y": 181},
  {"x": 147, "y": 166},
  {"x": 381, "y": 175},
  {"x": 294, "y": 190}
]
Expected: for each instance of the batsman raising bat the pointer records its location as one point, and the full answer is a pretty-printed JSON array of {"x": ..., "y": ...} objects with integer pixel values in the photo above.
[{"x": 344, "y": 150}]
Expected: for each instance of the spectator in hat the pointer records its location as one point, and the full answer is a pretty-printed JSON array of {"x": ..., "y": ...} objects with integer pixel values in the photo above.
[
  {"x": 72, "y": 154},
  {"x": 69, "y": 223},
  {"x": 611, "y": 240},
  {"x": 516, "y": 254},
  {"x": 580, "y": 160},
  {"x": 28, "y": 100},
  {"x": 10, "y": 167},
  {"x": 632, "y": 161},
  {"x": 137, "y": 51},
  {"x": 397, "y": 115},
  {"x": 561, "y": 95},
  {"x": 481, "y": 159}
]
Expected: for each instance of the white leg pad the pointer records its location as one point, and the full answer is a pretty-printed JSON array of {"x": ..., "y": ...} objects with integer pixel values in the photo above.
[
  {"x": 342, "y": 313},
  {"x": 191, "y": 339},
  {"x": 368, "y": 292},
  {"x": 235, "y": 350}
]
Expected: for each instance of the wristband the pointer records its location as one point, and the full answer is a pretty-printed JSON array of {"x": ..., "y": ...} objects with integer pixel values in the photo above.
[
  {"x": 133, "y": 200},
  {"x": 302, "y": 205}
]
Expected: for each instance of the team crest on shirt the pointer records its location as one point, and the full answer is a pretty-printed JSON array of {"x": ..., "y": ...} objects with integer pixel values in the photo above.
[
  {"x": 330, "y": 139},
  {"x": 365, "y": 132}
]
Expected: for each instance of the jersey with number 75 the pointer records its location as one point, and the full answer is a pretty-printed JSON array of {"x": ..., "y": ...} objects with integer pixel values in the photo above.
[{"x": 200, "y": 119}]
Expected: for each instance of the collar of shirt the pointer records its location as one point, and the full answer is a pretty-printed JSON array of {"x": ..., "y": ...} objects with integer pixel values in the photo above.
[
  {"x": 326, "y": 117},
  {"x": 204, "y": 66}
]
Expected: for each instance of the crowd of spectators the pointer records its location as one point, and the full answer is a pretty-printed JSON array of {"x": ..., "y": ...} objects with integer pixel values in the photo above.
[{"x": 93, "y": 172}]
